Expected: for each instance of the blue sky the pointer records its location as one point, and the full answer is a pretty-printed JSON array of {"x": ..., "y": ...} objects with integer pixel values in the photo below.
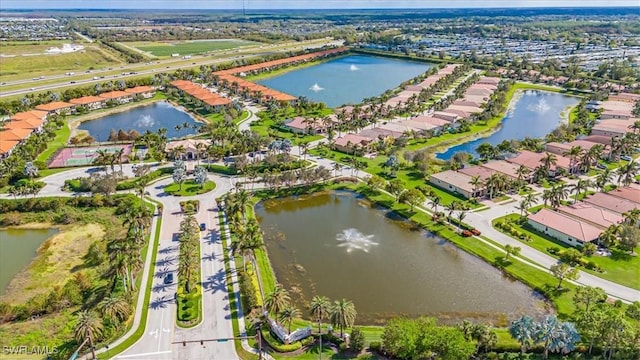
[{"x": 300, "y": 4}]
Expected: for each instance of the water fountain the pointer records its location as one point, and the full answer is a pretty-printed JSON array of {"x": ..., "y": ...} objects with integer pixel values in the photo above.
[
  {"x": 353, "y": 68},
  {"x": 541, "y": 106},
  {"x": 353, "y": 239},
  {"x": 145, "y": 121},
  {"x": 316, "y": 88}
]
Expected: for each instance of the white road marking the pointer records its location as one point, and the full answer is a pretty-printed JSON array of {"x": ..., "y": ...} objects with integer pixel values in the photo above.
[
  {"x": 154, "y": 333},
  {"x": 144, "y": 354}
]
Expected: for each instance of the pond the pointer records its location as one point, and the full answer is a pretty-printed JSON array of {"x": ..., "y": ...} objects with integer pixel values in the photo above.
[
  {"x": 17, "y": 250},
  {"x": 148, "y": 117},
  {"x": 346, "y": 80},
  {"x": 338, "y": 245},
  {"x": 532, "y": 113}
]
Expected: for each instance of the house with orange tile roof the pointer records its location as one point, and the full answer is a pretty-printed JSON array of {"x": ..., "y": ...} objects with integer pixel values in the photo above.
[
  {"x": 33, "y": 124},
  {"x": 117, "y": 96},
  {"x": 15, "y": 134},
  {"x": 349, "y": 142},
  {"x": 91, "y": 102},
  {"x": 7, "y": 146},
  {"x": 31, "y": 114},
  {"x": 57, "y": 107},
  {"x": 145, "y": 91},
  {"x": 565, "y": 228}
]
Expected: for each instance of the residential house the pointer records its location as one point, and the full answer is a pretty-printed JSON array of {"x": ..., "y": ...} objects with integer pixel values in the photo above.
[
  {"x": 349, "y": 142},
  {"x": 567, "y": 229},
  {"x": 145, "y": 91},
  {"x": 598, "y": 217},
  {"x": 190, "y": 147},
  {"x": 455, "y": 182},
  {"x": 612, "y": 203},
  {"x": 91, "y": 102},
  {"x": 57, "y": 107}
]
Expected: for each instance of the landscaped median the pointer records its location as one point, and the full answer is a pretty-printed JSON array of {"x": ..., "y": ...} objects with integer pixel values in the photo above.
[
  {"x": 189, "y": 294},
  {"x": 189, "y": 188}
]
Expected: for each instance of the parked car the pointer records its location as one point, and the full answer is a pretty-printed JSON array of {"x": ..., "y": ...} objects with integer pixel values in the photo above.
[
  {"x": 203, "y": 227},
  {"x": 475, "y": 232},
  {"x": 466, "y": 233},
  {"x": 168, "y": 279},
  {"x": 625, "y": 157},
  {"x": 601, "y": 166}
]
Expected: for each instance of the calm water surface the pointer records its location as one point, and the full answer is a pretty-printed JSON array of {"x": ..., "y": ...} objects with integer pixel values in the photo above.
[
  {"x": 535, "y": 114},
  {"x": 346, "y": 79},
  {"x": 17, "y": 249},
  {"x": 337, "y": 245},
  {"x": 149, "y": 117}
]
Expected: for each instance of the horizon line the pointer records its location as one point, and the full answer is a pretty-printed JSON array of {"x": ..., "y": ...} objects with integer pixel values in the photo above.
[{"x": 381, "y": 8}]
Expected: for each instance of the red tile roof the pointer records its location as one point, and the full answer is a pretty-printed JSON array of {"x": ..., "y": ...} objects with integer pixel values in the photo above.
[
  {"x": 86, "y": 100},
  {"x": 610, "y": 202},
  {"x": 114, "y": 94},
  {"x": 14, "y": 134},
  {"x": 567, "y": 225},
  {"x": 53, "y": 106},
  {"x": 7, "y": 145},
  {"x": 139, "y": 89}
]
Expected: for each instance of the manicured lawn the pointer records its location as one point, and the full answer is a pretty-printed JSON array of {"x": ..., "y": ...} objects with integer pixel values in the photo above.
[
  {"x": 189, "y": 188},
  {"x": 189, "y": 47},
  {"x": 620, "y": 267},
  {"x": 62, "y": 136},
  {"x": 264, "y": 127}
]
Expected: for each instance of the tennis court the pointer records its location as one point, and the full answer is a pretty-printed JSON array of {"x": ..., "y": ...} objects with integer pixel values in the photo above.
[{"x": 83, "y": 156}]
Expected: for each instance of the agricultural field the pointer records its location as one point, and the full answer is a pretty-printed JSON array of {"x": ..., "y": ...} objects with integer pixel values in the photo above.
[
  {"x": 162, "y": 49},
  {"x": 29, "y": 47},
  {"x": 18, "y": 67}
]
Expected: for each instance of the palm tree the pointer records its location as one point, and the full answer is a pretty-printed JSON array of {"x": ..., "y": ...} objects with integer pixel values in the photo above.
[
  {"x": 573, "y": 153},
  {"x": 522, "y": 330},
  {"x": 277, "y": 300},
  {"x": 319, "y": 308},
  {"x": 288, "y": 314},
  {"x": 88, "y": 327},
  {"x": 343, "y": 314},
  {"x": 549, "y": 160},
  {"x": 117, "y": 309},
  {"x": 627, "y": 173},
  {"x": 579, "y": 187},
  {"x": 435, "y": 201},
  {"x": 603, "y": 179},
  {"x": 476, "y": 182}
]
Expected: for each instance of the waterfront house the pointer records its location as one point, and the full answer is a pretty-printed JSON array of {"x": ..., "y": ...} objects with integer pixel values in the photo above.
[
  {"x": 567, "y": 229},
  {"x": 57, "y": 107},
  {"x": 91, "y": 102}
]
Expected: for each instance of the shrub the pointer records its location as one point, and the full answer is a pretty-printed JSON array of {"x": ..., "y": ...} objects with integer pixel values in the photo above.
[
  {"x": 375, "y": 346},
  {"x": 343, "y": 347},
  {"x": 356, "y": 341},
  {"x": 332, "y": 339},
  {"x": 308, "y": 341},
  {"x": 276, "y": 345},
  {"x": 553, "y": 250},
  {"x": 11, "y": 219}
]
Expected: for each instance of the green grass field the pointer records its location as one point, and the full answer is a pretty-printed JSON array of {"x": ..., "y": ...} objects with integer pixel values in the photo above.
[
  {"x": 90, "y": 58},
  {"x": 188, "y": 47}
]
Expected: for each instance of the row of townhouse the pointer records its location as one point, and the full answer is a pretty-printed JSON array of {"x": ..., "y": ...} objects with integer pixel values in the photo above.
[
  {"x": 22, "y": 125},
  {"x": 210, "y": 100}
]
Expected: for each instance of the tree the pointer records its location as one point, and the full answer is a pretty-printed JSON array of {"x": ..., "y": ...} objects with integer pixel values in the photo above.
[
  {"x": 288, "y": 314},
  {"x": 375, "y": 182},
  {"x": 342, "y": 314},
  {"x": 179, "y": 176},
  {"x": 319, "y": 309},
  {"x": 563, "y": 271},
  {"x": 277, "y": 300},
  {"x": 587, "y": 295},
  {"x": 511, "y": 250},
  {"x": 629, "y": 238},
  {"x": 200, "y": 176},
  {"x": 356, "y": 340},
  {"x": 30, "y": 170},
  {"x": 556, "y": 336},
  {"x": 523, "y": 330},
  {"x": 395, "y": 187},
  {"x": 117, "y": 309},
  {"x": 412, "y": 197},
  {"x": 88, "y": 327}
]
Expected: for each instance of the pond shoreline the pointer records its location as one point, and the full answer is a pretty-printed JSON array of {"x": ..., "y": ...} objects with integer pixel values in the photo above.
[{"x": 539, "y": 300}]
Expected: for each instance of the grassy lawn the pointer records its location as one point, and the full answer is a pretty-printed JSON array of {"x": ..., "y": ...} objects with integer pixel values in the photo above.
[
  {"x": 619, "y": 267},
  {"x": 265, "y": 127},
  {"x": 189, "y": 188},
  {"x": 62, "y": 136},
  {"x": 188, "y": 47},
  {"x": 40, "y": 65}
]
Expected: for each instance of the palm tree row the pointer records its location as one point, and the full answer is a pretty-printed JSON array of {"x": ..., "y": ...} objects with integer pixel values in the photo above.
[
  {"x": 342, "y": 313},
  {"x": 188, "y": 259}
]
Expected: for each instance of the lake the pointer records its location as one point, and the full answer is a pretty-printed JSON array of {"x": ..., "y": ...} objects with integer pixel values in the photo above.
[
  {"x": 17, "y": 250},
  {"x": 346, "y": 80},
  {"x": 534, "y": 114},
  {"x": 148, "y": 117},
  {"x": 338, "y": 245}
]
